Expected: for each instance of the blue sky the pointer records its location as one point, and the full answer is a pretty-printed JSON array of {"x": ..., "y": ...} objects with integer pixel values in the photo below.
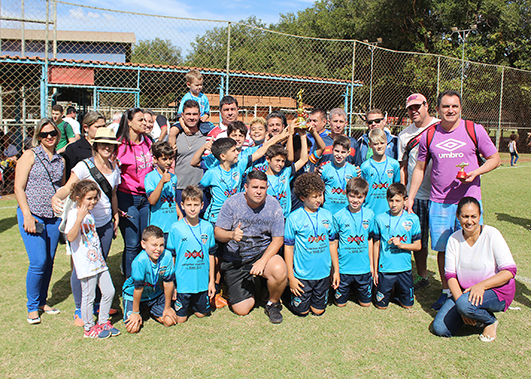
[{"x": 231, "y": 10}]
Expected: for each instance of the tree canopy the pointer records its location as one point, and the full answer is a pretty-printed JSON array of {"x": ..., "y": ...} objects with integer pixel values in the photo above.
[{"x": 156, "y": 51}]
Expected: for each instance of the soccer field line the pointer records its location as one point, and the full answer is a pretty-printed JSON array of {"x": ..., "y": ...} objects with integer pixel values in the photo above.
[{"x": 517, "y": 277}]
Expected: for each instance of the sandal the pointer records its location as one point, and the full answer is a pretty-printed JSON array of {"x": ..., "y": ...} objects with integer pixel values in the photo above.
[
  {"x": 33, "y": 321},
  {"x": 486, "y": 338},
  {"x": 50, "y": 311}
]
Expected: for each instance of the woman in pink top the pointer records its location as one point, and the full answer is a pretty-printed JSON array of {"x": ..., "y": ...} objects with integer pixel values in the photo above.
[
  {"x": 136, "y": 161},
  {"x": 480, "y": 272}
]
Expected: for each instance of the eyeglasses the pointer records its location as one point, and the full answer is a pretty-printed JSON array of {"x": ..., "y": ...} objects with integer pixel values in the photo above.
[
  {"x": 53, "y": 133},
  {"x": 377, "y": 121}
]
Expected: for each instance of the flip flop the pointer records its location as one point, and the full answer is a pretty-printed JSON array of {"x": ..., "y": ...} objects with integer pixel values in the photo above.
[
  {"x": 33, "y": 321},
  {"x": 484, "y": 338},
  {"x": 51, "y": 311}
]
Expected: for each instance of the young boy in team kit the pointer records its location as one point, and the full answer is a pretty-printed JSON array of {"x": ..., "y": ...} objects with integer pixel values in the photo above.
[
  {"x": 396, "y": 234},
  {"x": 192, "y": 244},
  {"x": 355, "y": 227},
  {"x": 309, "y": 250},
  {"x": 336, "y": 173},
  {"x": 380, "y": 171}
]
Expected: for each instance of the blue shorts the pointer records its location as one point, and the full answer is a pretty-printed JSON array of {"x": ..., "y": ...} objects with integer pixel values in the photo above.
[
  {"x": 421, "y": 209},
  {"x": 315, "y": 295},
  {"x": 444, "y": 222},
  {"x": 198, "y": 302},
  {"x": 402, "y": 282},
  {"x": 155, "y": 306},
  {"x": 362, "y": 285}
]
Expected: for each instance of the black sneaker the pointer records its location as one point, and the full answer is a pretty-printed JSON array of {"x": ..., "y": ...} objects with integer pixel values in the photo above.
[
  {"x": 420, "y": 282},
  {"x": 273, "y": 311}
]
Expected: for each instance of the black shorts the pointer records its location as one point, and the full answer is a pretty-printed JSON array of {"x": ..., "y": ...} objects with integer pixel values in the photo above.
[
  {"x": 155, "y": 306},
  {"x": 362, "y": 285},
  {"x": 315, "y": 295},
  {"x": 240, "y": 283},
  {"x": 198, "y": 302},
  {"x": 402, "y": 282}
]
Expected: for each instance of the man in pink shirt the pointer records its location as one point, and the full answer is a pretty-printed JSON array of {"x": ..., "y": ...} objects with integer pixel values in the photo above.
[{"x": 450, "y": 145}]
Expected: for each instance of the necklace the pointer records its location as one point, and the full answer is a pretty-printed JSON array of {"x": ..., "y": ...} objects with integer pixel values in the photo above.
[
  {"x": 361, "y": 221},
  {"x": 315, "y": 227},
  {"x": 195, "y": 236},
  {"x": 380, "y": 176},
  {"x": 190, "y": 144}
]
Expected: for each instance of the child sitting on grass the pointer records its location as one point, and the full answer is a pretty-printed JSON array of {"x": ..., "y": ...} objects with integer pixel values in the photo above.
[{"x": 152, "y": 266}]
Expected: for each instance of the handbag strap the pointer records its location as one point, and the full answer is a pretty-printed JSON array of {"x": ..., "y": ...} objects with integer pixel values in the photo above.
[
  {"x": 99, "y": 177},
  {"x": 43, "y": 165}
]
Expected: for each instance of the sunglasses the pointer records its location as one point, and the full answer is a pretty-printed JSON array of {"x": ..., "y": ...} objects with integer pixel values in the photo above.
[
  {"x": 377, "y": 121},
  {"x": 53, "y": 133}
]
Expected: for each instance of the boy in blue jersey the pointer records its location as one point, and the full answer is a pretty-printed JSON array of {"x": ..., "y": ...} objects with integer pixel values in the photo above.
[
  {"x": 396, "y": 234},
  {"x": 309, "y": 250},
  {"x": 354, "y": 225},
  {"x": 152, "y": 266},
  {"x": 336, "y": 173},
  {"x": 279, "y": 176},
  {"x": 380, "y": 171},
  {"x": 160, "y": 189},
  {"x": 193, "y": 246}
]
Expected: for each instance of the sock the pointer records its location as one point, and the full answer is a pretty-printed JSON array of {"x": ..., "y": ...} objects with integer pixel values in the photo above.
[
  {"x": 269, "y": 302},
  {"x": 447, "y": 291}
]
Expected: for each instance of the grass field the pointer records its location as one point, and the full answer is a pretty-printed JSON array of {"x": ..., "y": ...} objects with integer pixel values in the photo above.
[{"x": 349, "y": 342}]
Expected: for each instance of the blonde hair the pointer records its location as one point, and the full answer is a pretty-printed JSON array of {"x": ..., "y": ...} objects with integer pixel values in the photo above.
[
  {"x": 377, "y": 135},
  {"x": 42, "y": 123},
  {"x": 258, "y": 120},
  {"x": 191, "y": 75}
]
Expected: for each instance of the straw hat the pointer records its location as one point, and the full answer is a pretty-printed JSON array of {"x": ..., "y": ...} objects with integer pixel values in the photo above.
[{"x": 105, "y": 135}]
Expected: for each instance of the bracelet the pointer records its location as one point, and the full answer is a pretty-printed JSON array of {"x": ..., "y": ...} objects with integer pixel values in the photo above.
[{"x": 135, "y": 313}]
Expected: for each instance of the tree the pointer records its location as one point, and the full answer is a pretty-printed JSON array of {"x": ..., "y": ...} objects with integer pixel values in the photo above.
[{"x": 156, "y": 51}]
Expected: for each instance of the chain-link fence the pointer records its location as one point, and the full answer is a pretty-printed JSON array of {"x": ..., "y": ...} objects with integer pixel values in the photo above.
[{"x": 93, "y": 58}]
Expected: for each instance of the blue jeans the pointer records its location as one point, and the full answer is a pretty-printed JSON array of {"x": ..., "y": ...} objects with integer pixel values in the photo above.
[
  {"x": 41, "y": 253},
  {"x": 449, "y": 320},
  {"x": 105, "y": 233},
  {"x": 514, "y": 156},
  {"x": 137, "y": 208}
]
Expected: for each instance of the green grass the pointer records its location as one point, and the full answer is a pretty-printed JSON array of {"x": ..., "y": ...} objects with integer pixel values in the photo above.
[{"x": 349, "y": 342}]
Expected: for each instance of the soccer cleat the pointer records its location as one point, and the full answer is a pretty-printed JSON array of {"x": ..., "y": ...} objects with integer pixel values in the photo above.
[
  {"x": 78, "y": 320},
  {"x": 97, "y": 332},
  {"x": 108, "y": 326},
  {"x": 439, "y": 303},
  {"x": 420, "y": 282},
  {"x": 273, "y": 311}
]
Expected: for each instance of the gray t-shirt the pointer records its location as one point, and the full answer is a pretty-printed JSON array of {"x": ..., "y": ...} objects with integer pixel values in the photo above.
[
  {"x": 186, "y": 148},
  {"x": 259, "y": 225}
]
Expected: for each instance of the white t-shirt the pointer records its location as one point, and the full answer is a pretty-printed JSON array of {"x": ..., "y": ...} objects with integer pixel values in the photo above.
[
  {"x": 403, "y": 138},
  {"x": 102, "y": 211},
  {"x": 74, "y": 124},
  {"x": 86, "y": 249}
]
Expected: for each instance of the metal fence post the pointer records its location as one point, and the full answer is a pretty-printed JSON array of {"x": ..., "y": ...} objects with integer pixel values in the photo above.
[
  {"x": 22, "y": 30},
  {"x": 44, "y": 75},
  {"x": 351, "y": 88},
  {"x": 54, "y": 29},
  {"x": 228, "y": 58},
  {"x": 438, "y": 78},
  {"x": 498, "y": 130}
]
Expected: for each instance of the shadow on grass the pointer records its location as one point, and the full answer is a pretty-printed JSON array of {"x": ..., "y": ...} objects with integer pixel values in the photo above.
[
  {"x": 7, "y": 223},
  {"x": 428, "y": 295},
  {"x": 523, "y": 294},
  {"x": 524, "y": 222}
]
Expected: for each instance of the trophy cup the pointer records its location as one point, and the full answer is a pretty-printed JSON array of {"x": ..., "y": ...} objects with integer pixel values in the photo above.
[
  {"x": 300, "y": 110},
  {"x": 461, "y": 174}
]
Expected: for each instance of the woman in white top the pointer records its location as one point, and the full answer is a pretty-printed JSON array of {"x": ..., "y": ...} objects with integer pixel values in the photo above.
[
  {"x": 105, "y": 212},
  {"x": 480, "y": 272}
]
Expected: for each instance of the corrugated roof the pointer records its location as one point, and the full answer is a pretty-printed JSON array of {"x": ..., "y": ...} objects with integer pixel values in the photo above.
[
  {"x": 261, "y": 75},
  {"x": 68, "y": 35}
]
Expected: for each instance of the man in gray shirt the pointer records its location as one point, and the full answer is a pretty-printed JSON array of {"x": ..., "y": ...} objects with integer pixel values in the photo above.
[{"x": 251, "y": 223}]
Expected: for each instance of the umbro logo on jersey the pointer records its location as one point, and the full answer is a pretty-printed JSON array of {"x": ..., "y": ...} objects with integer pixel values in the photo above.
[{"x": 450, "y": 145}]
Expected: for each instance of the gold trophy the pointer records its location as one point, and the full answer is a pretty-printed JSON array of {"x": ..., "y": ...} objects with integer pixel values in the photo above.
[
  {"x": 461, "y": 174},
  {"x": 300, "y": 111}
]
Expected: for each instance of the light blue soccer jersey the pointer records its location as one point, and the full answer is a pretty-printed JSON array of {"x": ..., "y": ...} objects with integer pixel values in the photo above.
[
  {"x": 310, "y": 234},
  {"x": 204, "y": 105},
  {"x": 335, "y": 179},
  {"x": 164, "y": 213},
  {"x": 354, "y": 232},
  {"x": 379, "y": 175},
  {"x": 192, "y": 246},
  {"x": 148, "y": 275},
  {"x": 407, "y": 228},
  {"x": 223, "y": 184},
  {"x": 278, "y": 186}
]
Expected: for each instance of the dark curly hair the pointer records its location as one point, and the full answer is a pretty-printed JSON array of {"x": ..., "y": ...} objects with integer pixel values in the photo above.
[{"x": 307, "y": 184}]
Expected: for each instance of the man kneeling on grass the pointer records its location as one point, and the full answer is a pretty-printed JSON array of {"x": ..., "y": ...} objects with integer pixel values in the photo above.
[{"x": 252, "y": 225}]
